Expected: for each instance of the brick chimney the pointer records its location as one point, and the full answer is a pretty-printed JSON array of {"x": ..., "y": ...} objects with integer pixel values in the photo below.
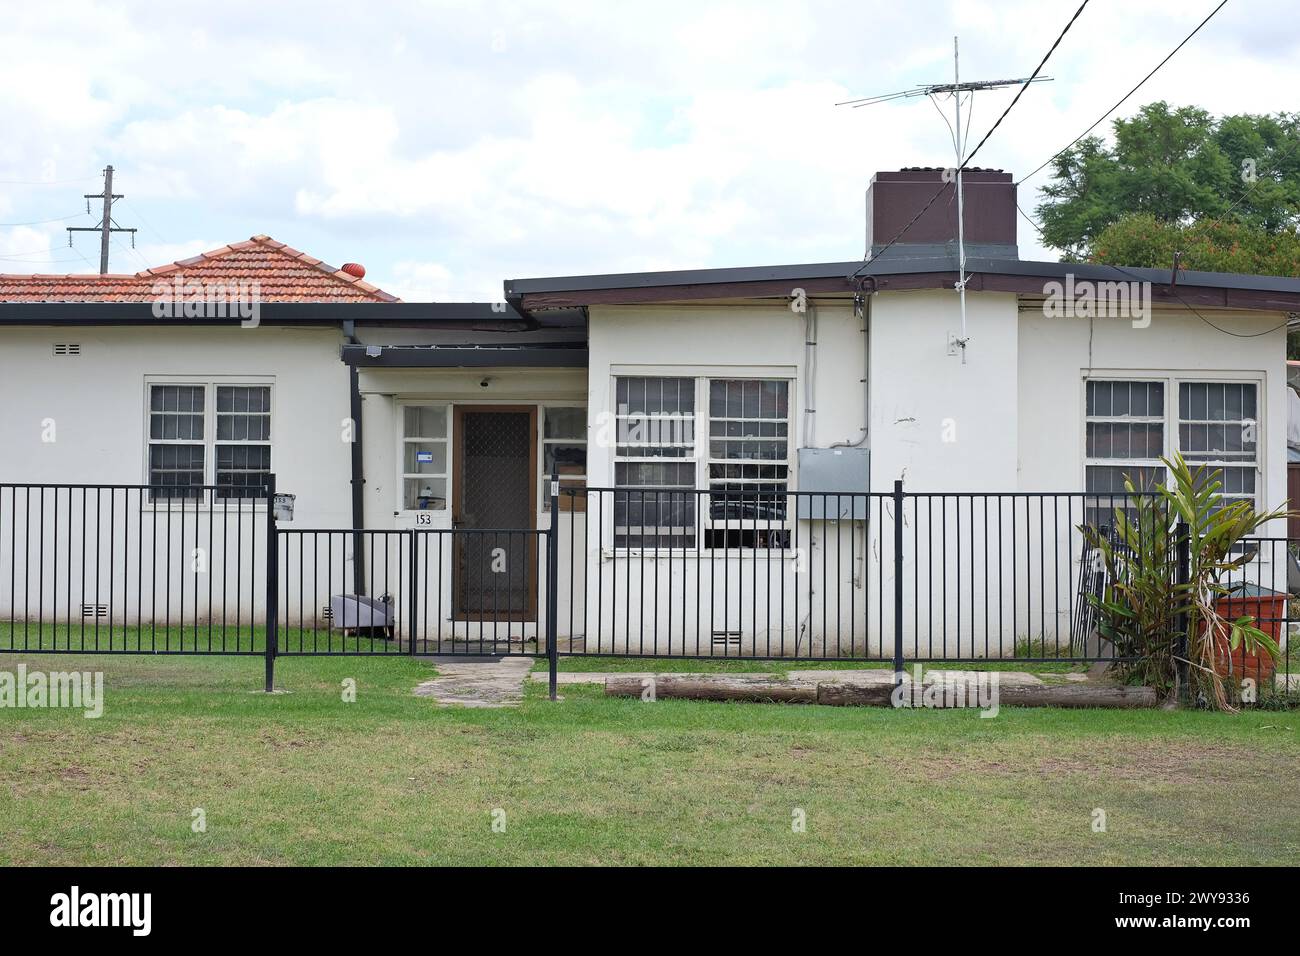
[{"x": 893, "y": 198}]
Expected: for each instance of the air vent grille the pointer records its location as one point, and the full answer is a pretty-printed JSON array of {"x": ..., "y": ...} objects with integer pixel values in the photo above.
[
  {"x": 94, "y": 610},
  {"x": 726, "y": 638},
  {"x": 67, "y": 348}
]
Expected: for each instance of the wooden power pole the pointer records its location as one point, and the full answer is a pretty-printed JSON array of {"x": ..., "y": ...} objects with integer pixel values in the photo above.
[{"x": 106, "y": 225}]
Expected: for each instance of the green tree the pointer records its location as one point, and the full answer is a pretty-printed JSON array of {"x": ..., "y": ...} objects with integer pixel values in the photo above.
[
  {"x": 1178, "y": 167},
  {"x": 1208, "y": 246}
]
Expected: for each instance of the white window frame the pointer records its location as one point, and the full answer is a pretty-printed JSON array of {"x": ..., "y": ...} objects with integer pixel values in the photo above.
[
  {"x": 707, "y": 460},
  {"x": 701, "y": 457},
  {"x": 1177, "y": 422},
  {"x": 1171, "y": 382},
  {"x": 209, "y": 384},
  {"x": 544, "y": 492},
  {"x": 403, "y": 475},
  {"x": 693, "y": 459}
]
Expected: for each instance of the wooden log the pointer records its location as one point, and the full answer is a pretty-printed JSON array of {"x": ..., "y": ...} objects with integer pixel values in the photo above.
[
  {"x": 855, "y": 695},
  {"x": 874, "y": 694},
  {"x": 713, "y": 687},
  {"x": 1077, "y": 694}
]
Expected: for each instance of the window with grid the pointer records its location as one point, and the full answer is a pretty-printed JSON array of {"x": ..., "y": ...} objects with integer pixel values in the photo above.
[
  {"x": 749, "y": 461},
  {"x": 243, "y": 440},
  {"x": 1217, "y": 428},
  {"x": 1125, "y": 437},
  {"x": 654, "y": 462},
  {"x": 177, "y": 440},
  {"x": 424, "y": 458},
  {"x": 208, "y": 434},
  {"x": 564, "y": 452}
]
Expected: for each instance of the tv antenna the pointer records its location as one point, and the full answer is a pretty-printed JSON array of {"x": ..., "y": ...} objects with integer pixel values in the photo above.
[{"x": 955, "y": 89}]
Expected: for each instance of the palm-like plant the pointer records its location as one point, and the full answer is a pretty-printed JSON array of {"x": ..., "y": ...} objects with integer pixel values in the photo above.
[{"x": 1146, "y": 611}]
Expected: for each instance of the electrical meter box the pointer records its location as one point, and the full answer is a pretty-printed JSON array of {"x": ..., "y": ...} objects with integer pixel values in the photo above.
[{"x": 828, "y": 472}]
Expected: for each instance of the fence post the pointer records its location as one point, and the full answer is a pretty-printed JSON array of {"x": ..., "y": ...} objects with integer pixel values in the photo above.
[
  {"x": 1183, "y": 564},
  {"x": 898, "y": 583},
  {"x": 413, "y": 605},
  {"x": 552, "y": 582},
  {"x": 272, "y": 584}
]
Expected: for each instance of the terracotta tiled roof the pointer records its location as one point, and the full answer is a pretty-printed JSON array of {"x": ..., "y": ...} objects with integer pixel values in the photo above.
[{"x": 283, "y": 274}]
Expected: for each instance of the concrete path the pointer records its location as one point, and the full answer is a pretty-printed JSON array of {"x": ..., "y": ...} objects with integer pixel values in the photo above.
[
  {"x": 863, "y": 676},
  {"x": 478, "y": 683}
]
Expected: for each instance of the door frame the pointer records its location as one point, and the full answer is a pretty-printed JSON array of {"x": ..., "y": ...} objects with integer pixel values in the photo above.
[{"x": 457, "y": 494}]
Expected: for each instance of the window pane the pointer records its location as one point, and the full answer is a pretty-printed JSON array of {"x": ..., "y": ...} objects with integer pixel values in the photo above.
[
  {"x": 656, "y": 396},
  {"x": 424, "y": 494},
  {"x": 175, "y": 471},
  {"x": 748, "y": 424},
  {"x": 1217, "y": 422},
  {"x": 241, "y": 470},
  {"x": 425, "y": 458},
  {"x": 655, "y": 418},
  {"x": 243, "y": 413},
  {"x": 565, "y": 423},
  {"x": 176, "y": 412},
  {"x": 426, "y": 421},
  {"x": 565, "y": 459}
]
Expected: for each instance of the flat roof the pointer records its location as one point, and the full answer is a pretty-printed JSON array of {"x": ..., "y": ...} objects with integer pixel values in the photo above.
[{"x": 892, "y": 272}]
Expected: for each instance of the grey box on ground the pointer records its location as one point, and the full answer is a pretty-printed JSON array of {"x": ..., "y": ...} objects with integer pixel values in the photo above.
[{"x": 354, "y": 612}]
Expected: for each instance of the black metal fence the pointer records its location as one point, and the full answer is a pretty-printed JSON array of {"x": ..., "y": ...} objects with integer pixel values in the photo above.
[
  {"x": 736, "y": 571},
  {"x": 132, "y": 569}
]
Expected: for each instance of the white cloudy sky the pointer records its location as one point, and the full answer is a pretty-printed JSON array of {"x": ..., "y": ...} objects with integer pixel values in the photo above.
[{"x": 449, "y": 144}]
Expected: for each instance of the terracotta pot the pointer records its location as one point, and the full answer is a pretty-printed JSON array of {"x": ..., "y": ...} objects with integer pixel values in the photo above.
[{"x": 1269, "y": 612}]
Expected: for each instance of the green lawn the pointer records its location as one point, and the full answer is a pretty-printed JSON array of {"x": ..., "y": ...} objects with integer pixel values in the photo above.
[{"x": 302, "y": 777}]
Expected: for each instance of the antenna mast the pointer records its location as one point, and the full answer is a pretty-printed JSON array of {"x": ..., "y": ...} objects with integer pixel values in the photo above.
[{"x": 956, "y": 88}]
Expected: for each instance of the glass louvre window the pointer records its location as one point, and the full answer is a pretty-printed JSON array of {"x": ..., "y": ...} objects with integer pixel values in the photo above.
[
  {"x": 243, "y": 442},
  {"x": 1218, "y": 427},
  {"x": 749, "y": 453},
  {"x": 1125, "y": 437},
  {"x": 424, "y": 458},
  {"x": 564, "y": 451},
  {"x": 176, "y": 441},
  {"x": 654, "y": 462}
]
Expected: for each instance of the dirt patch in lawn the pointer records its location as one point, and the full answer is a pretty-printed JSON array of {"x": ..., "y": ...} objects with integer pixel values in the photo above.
[{"x": 1170, "y": 762}]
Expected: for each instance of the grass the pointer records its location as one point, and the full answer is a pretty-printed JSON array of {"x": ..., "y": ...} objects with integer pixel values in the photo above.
[{"x": 302, "y": 777}]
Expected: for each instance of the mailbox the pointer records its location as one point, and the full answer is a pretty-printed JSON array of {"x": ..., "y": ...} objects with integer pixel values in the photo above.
[{"x": 282, "y": 507}]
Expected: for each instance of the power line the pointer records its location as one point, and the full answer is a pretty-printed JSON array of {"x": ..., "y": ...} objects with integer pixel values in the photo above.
[
  {"x": 136, "y": 212},
  {"x": 1174, "y": 292},
  {"x": 1029, "y": 219},
  {"x": 39, "y": 222},
  {"x": 45, "y": 182},
  {"x": 1128, "y": 94},
  {"x": 33, "y": 262},
  {"x": 1022, "y": 89}
]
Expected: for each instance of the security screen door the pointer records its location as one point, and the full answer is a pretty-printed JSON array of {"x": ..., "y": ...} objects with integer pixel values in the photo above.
[{"x": 495, "y": 495}]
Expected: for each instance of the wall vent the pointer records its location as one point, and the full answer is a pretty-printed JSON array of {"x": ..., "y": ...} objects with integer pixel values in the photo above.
[
  {"x": 94, "y": 610},
  {"x": 726, "y": 638},
  {"x": 67, "y": 348},
  {"x": 327, "y": 612}
]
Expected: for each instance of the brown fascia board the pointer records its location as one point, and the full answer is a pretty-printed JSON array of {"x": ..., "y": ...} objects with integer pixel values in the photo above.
[{"x": 1214, "y": 290}]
